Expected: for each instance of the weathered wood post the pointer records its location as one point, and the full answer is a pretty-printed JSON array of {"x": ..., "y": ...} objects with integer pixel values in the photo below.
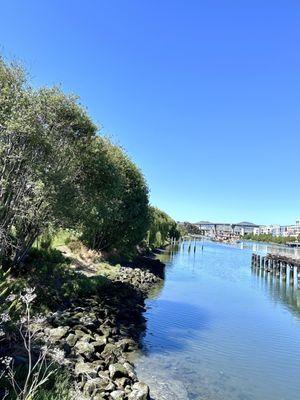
[
  {"x": 284, "y": 267},
  {"x": 277, "y": 269},
  {"x": 270, "y": 265},
  {"x": 292, "y": 274},
  {"x": 287, "y": 271},
  {"x": 298, "y": 275}
]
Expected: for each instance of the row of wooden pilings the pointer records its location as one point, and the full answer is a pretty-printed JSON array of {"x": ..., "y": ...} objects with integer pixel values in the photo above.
[
  {"x": 191, "y": 246},
  {"x": 277, "y": 265},
  {"x": 191, "y": 243}
]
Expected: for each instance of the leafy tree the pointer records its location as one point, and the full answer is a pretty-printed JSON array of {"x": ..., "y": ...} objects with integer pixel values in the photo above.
[
  {"x": 162, "y": 228},
  {"x": 42, "y": 134},
  {"x": 115, "y": 198}
]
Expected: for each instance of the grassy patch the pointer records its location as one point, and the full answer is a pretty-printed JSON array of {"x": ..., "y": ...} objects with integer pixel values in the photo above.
[{"x": 58, "y": 387}]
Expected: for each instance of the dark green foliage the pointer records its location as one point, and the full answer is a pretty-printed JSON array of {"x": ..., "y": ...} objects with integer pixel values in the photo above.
[
  {"x": 189, "y": 228},
  {"x": 42, "y": 134},
  {"x": 114, "y": 201},
  {"x": 55, "y": 172},
  {"x": 56, "y": 388},
  {"x": 162, "y": 228}
]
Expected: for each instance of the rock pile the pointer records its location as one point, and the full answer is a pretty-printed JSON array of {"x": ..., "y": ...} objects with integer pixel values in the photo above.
[{"x": 97, "y": 336}]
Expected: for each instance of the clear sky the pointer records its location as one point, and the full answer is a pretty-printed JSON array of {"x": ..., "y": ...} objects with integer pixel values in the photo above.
[{"x": 204, "y": 95}]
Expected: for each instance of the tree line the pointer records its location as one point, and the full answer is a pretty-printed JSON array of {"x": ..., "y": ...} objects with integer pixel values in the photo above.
[
  {"x": 57, "y": 172},
  {"x": 265, "y": 237}
]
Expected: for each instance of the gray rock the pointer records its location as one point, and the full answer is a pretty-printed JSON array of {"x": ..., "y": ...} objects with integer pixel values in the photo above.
[
  {"x": 87, "y": 368},
  {"x": 79, "y": 334},
  {"x": 91, "y": 385},
  {"x": 71, "y": 339},
  {"x": 117, "y": 395},
  {"x": 140, "y": 391},
  {"x": 99, "y": 344},
  {"x": 103, "y": 374},
  {"x": 122, "y": 382},
  {"x": 56, "y": 334},
  {"x": 130, "y": 370},
  {"x": 99, "y": 396},
  {"x": 117, "y": 371},
  {"x": 126, "y": 344},
  {"x": 84, "y": 347},
  {"x": 110, "y": 387},
  {"x": 109, "y": 350}
]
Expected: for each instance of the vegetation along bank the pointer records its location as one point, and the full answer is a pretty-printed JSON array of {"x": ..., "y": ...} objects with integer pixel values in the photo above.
[
  {"x": 268, "y": 238},
  {"x": 70, "y": 201}
]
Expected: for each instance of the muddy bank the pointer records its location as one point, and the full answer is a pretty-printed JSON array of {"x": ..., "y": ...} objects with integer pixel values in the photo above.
[{"x": 99, "y": 335}]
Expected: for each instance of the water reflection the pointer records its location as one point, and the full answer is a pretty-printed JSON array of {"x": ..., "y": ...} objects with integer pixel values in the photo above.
[
  {"x": 264, "y": 248},
  {"x": 215, "y": 324},
  {"x": 280, "y": 288}
]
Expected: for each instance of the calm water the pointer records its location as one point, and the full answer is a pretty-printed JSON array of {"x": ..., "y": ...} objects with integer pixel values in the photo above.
[{"x": 217, "y": 330}]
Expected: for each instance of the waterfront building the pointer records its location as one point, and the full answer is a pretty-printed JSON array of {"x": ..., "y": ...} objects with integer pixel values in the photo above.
[{"x": 279, "y": 230}]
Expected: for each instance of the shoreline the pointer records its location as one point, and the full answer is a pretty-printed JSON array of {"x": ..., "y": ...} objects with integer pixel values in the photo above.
[{"x": 99, "y": 336}]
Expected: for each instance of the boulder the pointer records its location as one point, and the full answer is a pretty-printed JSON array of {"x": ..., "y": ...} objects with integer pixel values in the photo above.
[
  {"x": 85, "y": 348},
  {"x": 71, "y": 339},
  {"x": 99, "y": 344},
  {"x": 140, "y": 391},
  {"x": 130, "y": 370},
  {"x": 117, "y": 371},
  {"x": 82, "y": 368},
  {"x": 92, "y": 385},
  {"x": 117, "y": 395},
  {"x": 126, "y": 344},
  {"x": 122, "y": 382},
  {"x": 56, "y": 334},
  {"x": 110, "y": 387}
]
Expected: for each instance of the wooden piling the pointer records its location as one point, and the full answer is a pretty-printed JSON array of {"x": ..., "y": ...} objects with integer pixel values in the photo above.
[{"x": 291, "y": 274}]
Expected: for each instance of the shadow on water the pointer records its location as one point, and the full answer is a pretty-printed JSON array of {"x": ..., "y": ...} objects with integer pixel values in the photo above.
[{"x": 179, "y": 324}]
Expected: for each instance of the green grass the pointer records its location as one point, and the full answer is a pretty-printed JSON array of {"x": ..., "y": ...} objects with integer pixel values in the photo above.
[
  {"x": 61, "y": 238},
  {"x": 56, "y": 388},
  {"x": 55, "y": 282}
]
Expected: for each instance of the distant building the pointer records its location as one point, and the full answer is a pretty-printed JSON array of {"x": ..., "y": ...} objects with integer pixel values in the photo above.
[
  {"x": 226, "y": 229},
  {"x": 294, "y": 230},
  {"x": 279, "y": 230}
]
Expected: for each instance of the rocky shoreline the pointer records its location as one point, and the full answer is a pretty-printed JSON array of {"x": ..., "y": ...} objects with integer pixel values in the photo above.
[{"x": 96, "y": 337}]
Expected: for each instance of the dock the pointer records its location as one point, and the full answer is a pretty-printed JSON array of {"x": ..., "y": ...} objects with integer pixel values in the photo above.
[{"x": 279, "y": 266}]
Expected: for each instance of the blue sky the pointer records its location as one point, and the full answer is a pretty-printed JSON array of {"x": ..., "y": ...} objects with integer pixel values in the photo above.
[{"x": 204, "y": 95}]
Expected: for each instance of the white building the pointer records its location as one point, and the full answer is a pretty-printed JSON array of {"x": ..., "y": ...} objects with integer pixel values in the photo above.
[
  {"x": 294, "y": 230},
  {"x": 274, "y": 230},
  {"x": 279, "y": 230}
]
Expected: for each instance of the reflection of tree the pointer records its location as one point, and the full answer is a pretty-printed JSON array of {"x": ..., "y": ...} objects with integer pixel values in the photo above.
[
  {"x": 156, "y": 290},
  {"x": 280, "y": 291}
]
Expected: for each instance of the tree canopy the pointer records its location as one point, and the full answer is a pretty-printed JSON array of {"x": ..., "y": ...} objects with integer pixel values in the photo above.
[{"x": 56, "y": 171}]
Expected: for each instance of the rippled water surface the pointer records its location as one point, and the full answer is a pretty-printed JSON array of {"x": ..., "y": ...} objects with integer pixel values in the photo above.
[{"x": 217, "y": 330}]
